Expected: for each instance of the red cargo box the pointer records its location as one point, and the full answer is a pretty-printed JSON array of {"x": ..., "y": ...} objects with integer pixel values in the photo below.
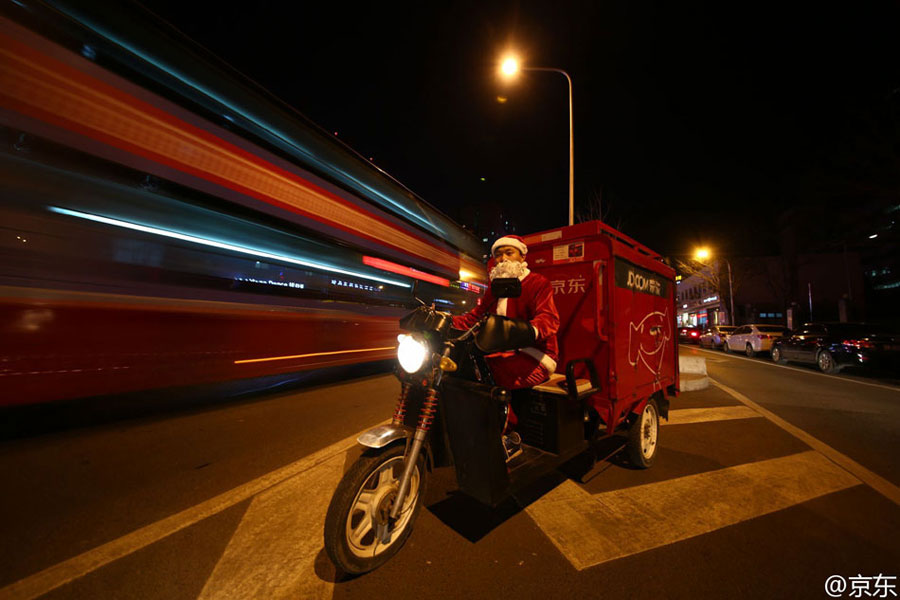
[{"x": 616, "y": 301}]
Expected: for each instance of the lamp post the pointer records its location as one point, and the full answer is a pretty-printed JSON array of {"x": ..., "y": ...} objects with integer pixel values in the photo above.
[
  {"x": 508, "y": 69},
  {"x": 703, "y": 254}
]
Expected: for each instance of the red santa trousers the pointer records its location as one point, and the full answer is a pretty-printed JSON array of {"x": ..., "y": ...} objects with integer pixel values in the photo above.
[{"x": 514, "y": 370}]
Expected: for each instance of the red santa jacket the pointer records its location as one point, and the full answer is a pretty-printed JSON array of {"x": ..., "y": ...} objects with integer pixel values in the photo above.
[{"x": 535, "y": 305}]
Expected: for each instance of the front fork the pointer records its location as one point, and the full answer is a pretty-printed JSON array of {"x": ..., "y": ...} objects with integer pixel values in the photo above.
[{"x": 426, "y": 419}]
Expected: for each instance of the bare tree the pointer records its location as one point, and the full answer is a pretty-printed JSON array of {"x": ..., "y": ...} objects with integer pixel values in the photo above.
[
  {"x": 598, "y": 208},
  {"x": 715, "y": 274}
]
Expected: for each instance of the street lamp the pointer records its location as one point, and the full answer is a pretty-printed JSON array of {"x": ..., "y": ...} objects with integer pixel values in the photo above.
[
  {"x": 702, "y": 254},
  {"x": 509, "y": 67}
]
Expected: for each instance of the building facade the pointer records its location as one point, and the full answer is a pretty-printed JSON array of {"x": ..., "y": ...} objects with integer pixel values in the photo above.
[{"x": 775, "y": 290}]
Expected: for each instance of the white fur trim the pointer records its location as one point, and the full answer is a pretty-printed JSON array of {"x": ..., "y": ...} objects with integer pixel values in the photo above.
[
  {"x": 542, "y": 358},
  {"x": 508, "y": 241}
]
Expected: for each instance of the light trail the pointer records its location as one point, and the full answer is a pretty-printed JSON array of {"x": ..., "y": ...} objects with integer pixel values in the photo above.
[
  {"x": 223, "y": 245},
  {"x": 256, "y": 360}
]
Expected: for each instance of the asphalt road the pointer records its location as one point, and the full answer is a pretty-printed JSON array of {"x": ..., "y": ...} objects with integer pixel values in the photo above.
[
  {"x": 766, "y": 484},
  {"x": 853, "y": 411}
]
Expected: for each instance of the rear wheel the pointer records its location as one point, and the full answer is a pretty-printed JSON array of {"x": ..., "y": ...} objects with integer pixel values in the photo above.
[
  {"x": 643, "y": 436},
  {"x": 726, "y": 347},
  {"x": 826, "y": 363},
  {"x": 777, "y": 356},
  {"x": 749, "y": 351},
  {"x": 359, "y": 534}
]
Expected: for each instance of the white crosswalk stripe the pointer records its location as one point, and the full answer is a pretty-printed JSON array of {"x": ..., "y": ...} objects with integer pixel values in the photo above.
[
  {"x": 272, "y": 553},
  {"x": 685, "y": 416},
  {"x": 590, "y": 530}
]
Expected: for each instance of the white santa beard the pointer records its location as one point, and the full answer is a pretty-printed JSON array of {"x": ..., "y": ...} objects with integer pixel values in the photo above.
[{"x": 509, "y": 268}]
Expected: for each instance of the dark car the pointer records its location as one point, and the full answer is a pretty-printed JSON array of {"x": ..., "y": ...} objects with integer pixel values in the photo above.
[
  {"x": 714, "y": 336},
  {"x": 833, "y": 346},
  {"x": 688, "y": 335}
]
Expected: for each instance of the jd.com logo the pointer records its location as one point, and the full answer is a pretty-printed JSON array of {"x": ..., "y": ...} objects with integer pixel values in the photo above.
[
  {"x": 878, "y": 586},
  {"x": 638, "y": 282}
]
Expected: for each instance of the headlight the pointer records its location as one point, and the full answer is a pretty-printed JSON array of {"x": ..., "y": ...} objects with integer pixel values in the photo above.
[{"x": 411, "y": 353}]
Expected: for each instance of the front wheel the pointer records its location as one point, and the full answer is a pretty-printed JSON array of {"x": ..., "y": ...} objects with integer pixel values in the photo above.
[
  {"x": 359, "y": 534},
  {"x": 643, "y": 437}
]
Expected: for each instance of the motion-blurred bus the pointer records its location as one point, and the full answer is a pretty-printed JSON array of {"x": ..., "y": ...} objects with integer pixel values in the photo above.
[{"x": 164, "y": 221}]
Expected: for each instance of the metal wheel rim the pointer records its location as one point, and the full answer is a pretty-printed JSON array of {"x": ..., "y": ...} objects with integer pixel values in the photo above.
[
  {"x": 824, "y": 361},
  {"x": 359, "y": 529},
  {"x": 649, "y": 431},
  {"x": 776, "y": 354},
  {"x": 749, "y": 349}
]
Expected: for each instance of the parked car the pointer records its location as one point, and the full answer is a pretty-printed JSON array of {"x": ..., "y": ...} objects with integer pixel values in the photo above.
[
  {"x": 714, "y": 337},
  {"x": 755, "y": 338},
  {"x": 688, "y": 335},
  {"x": 833, "y": 346}
]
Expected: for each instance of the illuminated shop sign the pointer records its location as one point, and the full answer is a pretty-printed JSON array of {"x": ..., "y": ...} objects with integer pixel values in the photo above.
[
  {"x": 469, "y": 287},
  {"x": 710, "y": 299},
  {"x": 289, "y": 284},
  {"x": 356, "y": 286}
]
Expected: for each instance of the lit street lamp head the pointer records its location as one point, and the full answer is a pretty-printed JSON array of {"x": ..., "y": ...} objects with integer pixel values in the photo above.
[
  {"x": 509, "y": 67},
  {"x": 702, "y": 254}
]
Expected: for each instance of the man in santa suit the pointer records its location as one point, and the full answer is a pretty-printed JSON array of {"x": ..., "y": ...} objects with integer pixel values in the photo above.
[{"x": 532, "y": 365}]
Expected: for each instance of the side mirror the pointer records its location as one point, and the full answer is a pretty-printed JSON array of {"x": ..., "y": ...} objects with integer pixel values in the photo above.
[
  {"x": 426, "y": 319},
  {"x": 506, "y": 287}
]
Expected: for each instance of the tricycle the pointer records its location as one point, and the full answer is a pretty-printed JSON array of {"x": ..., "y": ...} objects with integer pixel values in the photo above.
[{"x": 450, "y": 412}]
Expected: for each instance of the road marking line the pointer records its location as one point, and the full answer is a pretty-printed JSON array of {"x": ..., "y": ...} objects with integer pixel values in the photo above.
[
  {"x": 590, "y": 530},
  {"x": 53, "y": 577},
  {"x": 270, "y": 358},
  {"x": 684, "y": 416},
  {"x": 272, "y": 553},
  {"x": 876, "y": 482},
  {"x": 814, "y": 373}
]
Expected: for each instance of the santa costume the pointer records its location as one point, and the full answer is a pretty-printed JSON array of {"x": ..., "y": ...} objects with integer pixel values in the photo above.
[{"x": 528, "y": 366}]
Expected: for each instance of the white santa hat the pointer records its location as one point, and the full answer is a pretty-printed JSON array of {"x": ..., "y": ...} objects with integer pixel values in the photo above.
[{"x": 511, "y": 240}]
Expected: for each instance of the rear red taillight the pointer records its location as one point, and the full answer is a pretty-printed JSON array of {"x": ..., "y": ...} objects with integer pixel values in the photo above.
[
  {"x": 694, "y": 334},
  {"x": 858, "y": 343},
  {"x": 763, "y": 336}
]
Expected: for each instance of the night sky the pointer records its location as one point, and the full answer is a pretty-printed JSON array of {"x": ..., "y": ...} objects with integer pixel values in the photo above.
[{"x": 692, "y": 123}]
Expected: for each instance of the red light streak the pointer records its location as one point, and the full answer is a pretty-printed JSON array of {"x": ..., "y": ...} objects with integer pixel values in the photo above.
[{"x": 385, "y": 265}]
